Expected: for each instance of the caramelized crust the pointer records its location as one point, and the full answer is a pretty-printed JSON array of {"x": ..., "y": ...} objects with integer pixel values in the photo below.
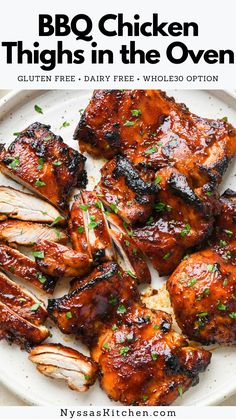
[
  {"x": 42, "y": 162},
  {"x": 105, "y": 293},
  {"x": 25, "y": 268},
  {"x": 143, "y": 362},
  {"x": 60, "y": 261},
  {"x": 153, "y": 131},
  {"x": 123, "y": 190},
  {"x": 203, "y": 287},
  {"x": 77, "y": 227}
]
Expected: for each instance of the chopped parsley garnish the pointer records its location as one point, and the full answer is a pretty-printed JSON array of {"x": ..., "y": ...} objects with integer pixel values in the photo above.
[
  {"x": 40, "y": 183},
  {"x": 47, "y": 138},
  {"x": 145, "y": 398},
  {"x": 228, "y": 232},
  {"x": 157, "y": 180},
  {"x": 84, "y": 207},
  {"x": 113, "y": 300},
  {"x": 114, "y": 327},
  {"x": 98, "y": 204},
  {"x": 35, "y": 306},
  {"x": 57, "y": 163},
  {"x": 40, "y": 163},
  {"x": 15, "y": 162},
  {"x": 121, "y": 309},
  {"x": 87, "y": 377},
  {"x": 180, "y": 391},
  {"x": 22, "y": 300},
  {"x": 211, "y": 268},
  {"x": 232, "y": 315},
  {"x": 221, "y": 307},
  {"x": 154, "y": 356},
  {"x": 124, "y": 350},
  {"x": 41, "y": 277},
  {"x": 38, "y": 109},
  {"x": 106, "y": 345},
  {"x": 225, "y": 119},
  {"x": 126, "y": 243},
  {"x": 65, "y": 124},
  {"x": 135, "y": 251},
  {"x": 150, "y": 150},
  {"x": 209, "y": 193},
  {"x": 129, "y": 123},
  {"x": 223, "y": 243},
  {"x": 39, "y": 255},
  {"x": 69, "y": 315},
  {"x": 56, "y": 221},
  {"x": 160, "y": 206},
  {"x": 150, "y": 220},
  {"x": 185, "y": 230},
  {"x": 136, "y": 112},
  {"x": 80, "y": 229},
  {"x": 156, "y": 327},
  {"x": 166, "y": 256},
  {"x": 225, "y": 282},
  {"x": 203, "y": 314},
  {"x": 207, "y": 291},
  {"x": 16, "y": 133},
  {"x": 192, "y": 282},
  {"x": 93, "y": 224},
  {"x": 114, "y": 208}
]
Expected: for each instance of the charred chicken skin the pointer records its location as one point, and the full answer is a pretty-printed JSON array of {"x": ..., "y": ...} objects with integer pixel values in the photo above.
[
  {"x": 203, "y": 289},
  {"x": 123, "y": 190},
  {"x": 105, "y": 293},
  {"x": 143, "y": 362},
  {"x": 42, "y": 162}
]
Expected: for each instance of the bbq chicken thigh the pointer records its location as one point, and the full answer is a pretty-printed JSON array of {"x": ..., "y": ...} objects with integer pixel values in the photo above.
[
  {"x": 42, "y": 162},
  {"x": 143, "y": 362},
  {"x": 203, "y": 287}
]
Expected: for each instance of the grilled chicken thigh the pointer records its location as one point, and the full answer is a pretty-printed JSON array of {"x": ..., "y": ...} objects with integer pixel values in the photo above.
[
  {"x": 203, "y": 287},
  {"x": 25, "y": 233},
  {"x": 42, "y": 162},
  {"x": 123, "y": 190},
  {"x": 22, "y": 301},
  {"x": 26, "y": 207},
  {"x": 60, "y": 261},
  {"x": 143, "y": 362},
  {"x": 105, "y": 293},
  {"x": 182, "y": 218},
  {"x": 60, "y": 362},
  {"x": 24, "y": 268},
  {"x": 154, "y": 131}
]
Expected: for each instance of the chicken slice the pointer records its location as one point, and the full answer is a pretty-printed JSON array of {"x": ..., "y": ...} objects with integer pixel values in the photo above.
[
  {"x": 203, "y": 287},
  {"x": 15, "y": 328},
  {"x": 97, "y": 228},
  {"x": 124, "y": 191},
  {"x": 131, "y": 258},
  {"x": 25, "y": 233},
  {"x": 42, "y": 162},
  {"x": 20, "y": 265},
  {"x": 60, "y": 362},
  {"x": 105, "y": 293},
  {"x": 26, "y": 207},
  {"x": 143, "y": 362},
  {"x": 77, "y": 227},
  {"x": 60, "y": 261},
  {"x": 21, "y": 301}
]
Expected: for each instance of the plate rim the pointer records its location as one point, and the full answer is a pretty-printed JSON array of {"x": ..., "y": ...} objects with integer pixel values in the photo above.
[{"x": 11, "y": 99}]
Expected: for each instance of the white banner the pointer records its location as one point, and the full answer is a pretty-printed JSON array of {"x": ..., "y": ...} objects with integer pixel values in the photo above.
[{"x": 171, "y": 44}]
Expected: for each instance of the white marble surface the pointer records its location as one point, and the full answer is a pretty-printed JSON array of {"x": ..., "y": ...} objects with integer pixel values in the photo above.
[{"x": 7, "y": 398}]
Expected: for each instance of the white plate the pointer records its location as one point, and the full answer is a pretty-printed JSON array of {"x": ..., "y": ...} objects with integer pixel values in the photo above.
[{"x": 16, "y": 372}]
